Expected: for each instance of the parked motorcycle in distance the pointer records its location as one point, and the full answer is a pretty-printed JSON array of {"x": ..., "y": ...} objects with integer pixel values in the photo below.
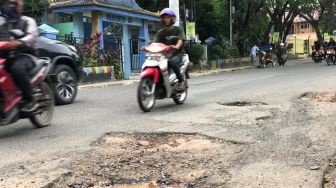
[
  {"x": 157, "y": 80},
  {"x": 11, "y": 101},
  {"x": 265, "y": 59}
]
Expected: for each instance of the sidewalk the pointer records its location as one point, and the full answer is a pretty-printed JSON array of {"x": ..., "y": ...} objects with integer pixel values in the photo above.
[{"x": 130, "y": 82}]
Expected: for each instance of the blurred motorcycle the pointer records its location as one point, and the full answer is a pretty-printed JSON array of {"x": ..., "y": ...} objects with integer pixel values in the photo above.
[{"x": 11, "y": 103}]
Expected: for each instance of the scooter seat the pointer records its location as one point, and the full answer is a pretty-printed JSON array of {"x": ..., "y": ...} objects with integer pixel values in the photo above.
[{"x": 39, "y": 64}]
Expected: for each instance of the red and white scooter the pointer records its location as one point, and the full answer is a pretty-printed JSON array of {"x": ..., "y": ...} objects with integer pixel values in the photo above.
[{"x": 157, "y": 80}]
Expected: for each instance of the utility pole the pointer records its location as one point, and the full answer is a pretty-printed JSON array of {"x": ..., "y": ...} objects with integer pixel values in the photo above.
[{"x": 231, "y": 23}]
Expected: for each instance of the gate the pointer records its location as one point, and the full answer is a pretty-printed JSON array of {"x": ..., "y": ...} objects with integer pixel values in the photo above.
[
  {"x": 114, "y": 46},
  {"x": 136, "y": 63}
]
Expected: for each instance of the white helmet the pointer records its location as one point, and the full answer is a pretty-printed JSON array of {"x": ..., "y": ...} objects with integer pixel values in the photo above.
[{"x": 282, "y": 44}]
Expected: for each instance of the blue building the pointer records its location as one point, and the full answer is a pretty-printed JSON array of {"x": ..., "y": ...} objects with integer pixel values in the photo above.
[{"x": 115, "y": 19}]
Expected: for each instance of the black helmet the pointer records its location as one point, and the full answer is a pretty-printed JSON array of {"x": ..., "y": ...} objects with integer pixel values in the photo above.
[{"x": 12, "y": 1}]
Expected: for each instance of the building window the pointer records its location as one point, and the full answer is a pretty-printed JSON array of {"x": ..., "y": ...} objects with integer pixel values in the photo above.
[
  {"x": 304, "y": 25},
  {"x": 130, "y": 20}
]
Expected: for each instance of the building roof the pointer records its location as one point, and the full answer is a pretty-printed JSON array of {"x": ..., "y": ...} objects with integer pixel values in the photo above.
[{"x": 125, "y": 5}]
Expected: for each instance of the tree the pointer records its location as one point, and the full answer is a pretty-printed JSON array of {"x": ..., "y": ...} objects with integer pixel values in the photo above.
[
  {"x": 282, "y": 14},
  {"x": 211, "y": 19},
  {"x": 36, "y": 9},
  {"x": 248, "y": 17},
  {"x": 319, "y": 14},
  {"x": 325, "y": 21},
  {"x": 153, "y": 5}
]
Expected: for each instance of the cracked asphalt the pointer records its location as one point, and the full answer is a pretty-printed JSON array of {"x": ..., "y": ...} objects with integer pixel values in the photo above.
[{"x": 288, "y": 141}]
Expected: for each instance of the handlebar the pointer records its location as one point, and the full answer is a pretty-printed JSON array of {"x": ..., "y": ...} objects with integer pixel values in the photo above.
[{"x": 157, "y": 48}]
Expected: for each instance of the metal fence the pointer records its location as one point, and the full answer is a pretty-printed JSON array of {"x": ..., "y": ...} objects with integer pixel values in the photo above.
[
  {"x": 233, "y": 62},
  {"x": 69, "y": 39},
  {"x": 112, "y": 46}
]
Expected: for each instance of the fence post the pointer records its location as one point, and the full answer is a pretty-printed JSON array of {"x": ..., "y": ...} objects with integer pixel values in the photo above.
[
  {"x": 143, "y": 41},
  {"x": 78, "y": 24},
  {"x": 127, "y": 52}
]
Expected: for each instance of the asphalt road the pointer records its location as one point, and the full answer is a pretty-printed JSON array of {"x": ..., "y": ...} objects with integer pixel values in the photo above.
[{"x": 114, "y": 109}]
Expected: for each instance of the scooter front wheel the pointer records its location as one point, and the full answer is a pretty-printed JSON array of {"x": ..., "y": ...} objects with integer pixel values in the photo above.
[
  {"x": 146, "y": 99},
  {"x": 181, "y": 97},
  {"x": 329, "y": 61}
]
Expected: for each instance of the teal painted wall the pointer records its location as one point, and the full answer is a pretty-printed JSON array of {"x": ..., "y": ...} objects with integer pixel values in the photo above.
[{"x": 63, "y": 28}]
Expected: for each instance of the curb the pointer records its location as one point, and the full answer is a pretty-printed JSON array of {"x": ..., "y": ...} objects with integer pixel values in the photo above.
[
  {"x": 193, "y": 75},
  {"x": 130, "y": 82},
  {"x": 108, "y": 84}
]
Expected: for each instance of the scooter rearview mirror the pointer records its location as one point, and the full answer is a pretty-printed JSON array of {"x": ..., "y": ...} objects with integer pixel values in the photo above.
[{"x": 17, "y": 33}]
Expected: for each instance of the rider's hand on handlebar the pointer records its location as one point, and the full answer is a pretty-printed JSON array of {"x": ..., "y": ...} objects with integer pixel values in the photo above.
[
  {"x": 174, "y": 46},
  {"x": 15, "y": 44}
]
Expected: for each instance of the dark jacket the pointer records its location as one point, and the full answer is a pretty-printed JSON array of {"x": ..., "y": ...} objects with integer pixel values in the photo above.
[{"x": 332, "y": 44}]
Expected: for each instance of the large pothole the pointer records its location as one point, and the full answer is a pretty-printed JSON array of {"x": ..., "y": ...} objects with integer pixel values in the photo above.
[{"x": 153, "y": 160}]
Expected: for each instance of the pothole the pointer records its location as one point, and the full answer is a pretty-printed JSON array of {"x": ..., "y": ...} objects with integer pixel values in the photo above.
[
  {"x": 263, "y": 118},
  {"x": 154, "y": 160},
  {"x": 243, "y": 103},
  {"x": 319, "y": 96}
]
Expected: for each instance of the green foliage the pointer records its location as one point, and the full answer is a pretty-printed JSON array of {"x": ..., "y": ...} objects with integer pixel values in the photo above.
[
  {"x": 254, "y": 19},
  {"x": 234, "y": 52},
  {"x": 212, "y": 19},
  {"x": 153, "y": 5},
  {"x": 217, "y": 52},
  {"x": 90, "y": 62},
  {"x": 196, "y": 53}
]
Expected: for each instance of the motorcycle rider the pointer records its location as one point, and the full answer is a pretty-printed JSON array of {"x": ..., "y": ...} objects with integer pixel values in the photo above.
[
  {"x": 20, "y": 65},
  {"x": 332, "y": 44},
  {"x": 281, "y": 51},
  {"x": 168, "y": 19},
  {"x": 316, "y": 48}
]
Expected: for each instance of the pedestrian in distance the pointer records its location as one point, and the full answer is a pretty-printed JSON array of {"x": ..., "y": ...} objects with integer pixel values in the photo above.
[{"x": 254, "y": 52}]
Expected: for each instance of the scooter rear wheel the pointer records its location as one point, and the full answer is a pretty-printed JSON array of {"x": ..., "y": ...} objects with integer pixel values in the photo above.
[
  {"x": 44, "y": 118},
  {"x": 146, "y": 100}
]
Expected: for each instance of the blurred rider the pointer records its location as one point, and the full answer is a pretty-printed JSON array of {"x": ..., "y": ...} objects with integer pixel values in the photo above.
[
  {"x": 20, "y": 65},
  {"x": 168, "y": 19}
]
